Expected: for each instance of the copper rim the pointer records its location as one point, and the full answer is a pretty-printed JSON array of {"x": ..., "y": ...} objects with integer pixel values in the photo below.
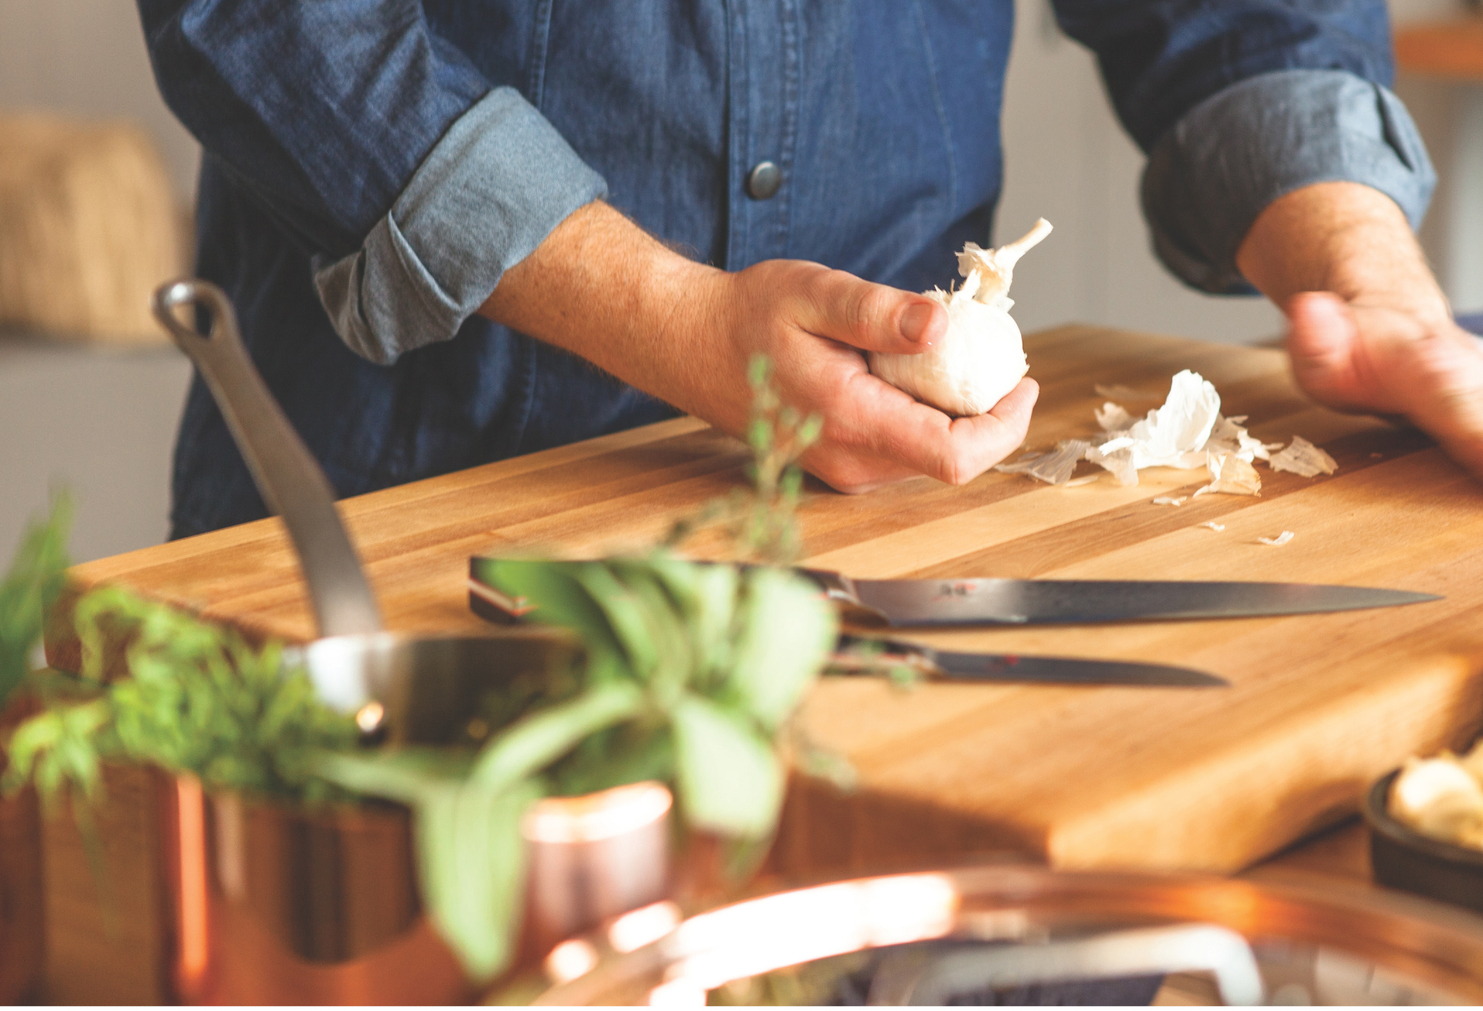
[{"x": 1437, "y": 946}]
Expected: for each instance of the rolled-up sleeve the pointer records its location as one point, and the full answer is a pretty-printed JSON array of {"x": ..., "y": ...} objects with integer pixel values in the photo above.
[
  {"x": 497, "y": 184},
  {"x": 1209, "y": 177},
  {"x": 1238, "y": 102},
  {"x": 382, "y": 152}
]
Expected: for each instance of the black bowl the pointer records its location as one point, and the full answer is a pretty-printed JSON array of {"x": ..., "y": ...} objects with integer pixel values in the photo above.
[{"x": 1404, "y": 858}]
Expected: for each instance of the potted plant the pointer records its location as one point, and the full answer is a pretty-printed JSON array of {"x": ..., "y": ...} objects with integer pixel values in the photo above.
[
  {"x": 27, "y": 593},
  {"x": 686, "y": 677}
]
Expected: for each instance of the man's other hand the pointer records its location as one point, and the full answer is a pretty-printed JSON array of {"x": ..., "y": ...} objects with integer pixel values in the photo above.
[
  {"x": 1363, "y": 357},
  {"x": 1368, "y": 328},
  {"x": 684, "y": 332}
]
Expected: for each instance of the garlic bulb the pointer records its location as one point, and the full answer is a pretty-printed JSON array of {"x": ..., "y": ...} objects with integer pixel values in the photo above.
[{"x": 981, "y": 357}]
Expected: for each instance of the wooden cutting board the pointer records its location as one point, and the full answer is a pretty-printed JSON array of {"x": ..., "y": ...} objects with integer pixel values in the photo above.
[{"x": 1318, "y": 705}]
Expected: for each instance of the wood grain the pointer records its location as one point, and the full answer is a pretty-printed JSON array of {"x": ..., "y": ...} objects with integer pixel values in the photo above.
[{"x": 1209, "y": 779}]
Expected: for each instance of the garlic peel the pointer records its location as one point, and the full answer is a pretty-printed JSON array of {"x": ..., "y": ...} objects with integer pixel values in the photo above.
[{"x": 981, "y": 356}]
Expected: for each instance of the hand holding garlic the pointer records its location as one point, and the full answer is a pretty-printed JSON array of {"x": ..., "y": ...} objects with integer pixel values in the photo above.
[
  {"x": 685, "y": 332},
  {"x": 982, "y": 356}
]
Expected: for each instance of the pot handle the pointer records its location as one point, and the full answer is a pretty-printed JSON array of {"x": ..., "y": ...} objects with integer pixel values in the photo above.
[{"x": 287, "y": 476}]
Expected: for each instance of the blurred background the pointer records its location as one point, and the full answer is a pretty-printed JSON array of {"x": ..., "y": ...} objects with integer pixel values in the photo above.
[{"x": 90, "y": 394}]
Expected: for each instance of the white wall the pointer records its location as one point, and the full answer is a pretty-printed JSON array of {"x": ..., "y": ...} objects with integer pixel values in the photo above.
[{"x": 1068, "y": 160}]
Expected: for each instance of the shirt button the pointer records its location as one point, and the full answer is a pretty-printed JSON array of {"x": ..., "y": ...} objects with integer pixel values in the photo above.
[{"x": 764, "y": 181}]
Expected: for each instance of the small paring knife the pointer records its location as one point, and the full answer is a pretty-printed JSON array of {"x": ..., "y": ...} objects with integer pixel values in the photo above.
[
  {"x": 908, "y": 603},
  {"x": 856, "y": 654}
]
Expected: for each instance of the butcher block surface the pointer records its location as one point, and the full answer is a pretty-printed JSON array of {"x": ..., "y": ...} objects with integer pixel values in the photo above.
[{"x": 1318, "y": 706}]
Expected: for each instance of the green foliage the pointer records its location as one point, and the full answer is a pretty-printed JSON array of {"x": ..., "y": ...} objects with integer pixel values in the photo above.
[
  {"x": 200, "y": 700},
  {"x": 470, "y": 854},
  {"x": 691, "y": 671},
  {"x": 716, "y": 656},
  {"x": 762, "y": 521},
  {"x": 730, "y": 780},
  {"x": 30, "y": 588}
]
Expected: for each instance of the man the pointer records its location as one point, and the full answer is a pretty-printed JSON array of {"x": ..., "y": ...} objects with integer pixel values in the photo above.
[{"x": 435, "y": 218}]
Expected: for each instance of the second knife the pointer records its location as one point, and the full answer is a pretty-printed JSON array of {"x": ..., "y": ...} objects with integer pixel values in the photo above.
[{"x": 868, "y": 654}]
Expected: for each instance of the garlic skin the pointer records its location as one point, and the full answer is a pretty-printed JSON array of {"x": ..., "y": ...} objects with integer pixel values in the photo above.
[{"x": 981, "y": 357}]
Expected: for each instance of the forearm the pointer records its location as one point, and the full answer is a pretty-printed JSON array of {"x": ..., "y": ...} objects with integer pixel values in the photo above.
[
  {"x": 1345, "y": 238},
  {"x": 605, "y": 290}
]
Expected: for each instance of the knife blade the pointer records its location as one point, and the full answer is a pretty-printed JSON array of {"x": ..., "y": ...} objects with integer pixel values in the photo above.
[
  {"x": 866, "y": 654},
  {"x": 906, "y": 603}
]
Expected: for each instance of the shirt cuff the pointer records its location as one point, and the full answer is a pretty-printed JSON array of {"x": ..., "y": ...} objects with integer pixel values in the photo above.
[
  {"x": 1226, "y": 159},
  {"x": 496, "y": 184}
]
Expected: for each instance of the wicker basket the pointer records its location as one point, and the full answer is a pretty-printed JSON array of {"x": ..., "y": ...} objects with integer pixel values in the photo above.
[{"x": 88, "y": 228}]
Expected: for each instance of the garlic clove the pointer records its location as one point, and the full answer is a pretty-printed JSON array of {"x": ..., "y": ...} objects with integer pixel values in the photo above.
[{"x": 1425, "y": 784}]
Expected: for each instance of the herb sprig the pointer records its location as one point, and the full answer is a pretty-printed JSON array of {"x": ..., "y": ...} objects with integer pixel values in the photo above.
[
  {"x": 199, "y": 699},
  {"x": 32, "y": 584}
]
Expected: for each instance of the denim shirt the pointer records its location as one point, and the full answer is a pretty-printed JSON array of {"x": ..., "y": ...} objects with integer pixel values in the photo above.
[{"x": 372, "y": 167}]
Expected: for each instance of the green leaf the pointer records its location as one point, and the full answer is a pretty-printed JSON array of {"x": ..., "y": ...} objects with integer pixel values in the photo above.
[
  {"x": 788, "y": 630},
  {"x": 666, "y": 632},
  {"x": 559, "y": 598},
  {"x": 707, "y": 595},
  {"x": 31, "y": 586},
  {"x": 758, "y": 370},
  {"x": 470, "y": 855},
  {"x": 730, "y": 781},
  {"x": 400, "y": 774},
  {"x": 537, "y": 740},
  {"x": 471, "y": 862},
  {"x": 625, "y": 614}
]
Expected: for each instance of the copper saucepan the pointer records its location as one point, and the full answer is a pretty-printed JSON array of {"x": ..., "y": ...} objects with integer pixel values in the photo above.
[{"x": 419, "y": 688}]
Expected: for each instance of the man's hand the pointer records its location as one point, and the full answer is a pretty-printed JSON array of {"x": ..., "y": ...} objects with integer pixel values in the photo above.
[
  {"x": 1368, "y": 328},
  {"x": 603, "y": 289}
]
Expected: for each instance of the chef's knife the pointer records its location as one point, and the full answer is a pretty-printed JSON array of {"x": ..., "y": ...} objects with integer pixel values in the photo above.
[
  {"x": 922, "y": 602},
  {"x": 863, "y": 655}
]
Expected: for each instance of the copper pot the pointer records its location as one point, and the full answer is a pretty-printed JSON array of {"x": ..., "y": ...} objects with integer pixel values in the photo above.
[
  {"x": 272, "y": 903},
  {"x": 22, "y": 899}
]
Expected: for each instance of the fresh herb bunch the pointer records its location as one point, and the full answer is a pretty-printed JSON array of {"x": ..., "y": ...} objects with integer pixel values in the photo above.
[
  {"x": 691, "y": 672},
  {"x": 199, "y": 699},
  {"x": 761, "y": 521},
  {"x": 31, "y": 586}
]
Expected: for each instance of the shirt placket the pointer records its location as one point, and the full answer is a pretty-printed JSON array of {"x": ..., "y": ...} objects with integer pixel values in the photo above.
[{"x": 762, "y": 128}]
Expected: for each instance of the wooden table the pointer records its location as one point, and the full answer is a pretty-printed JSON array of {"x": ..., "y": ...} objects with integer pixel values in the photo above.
[{"x": 1202, "y": 779}]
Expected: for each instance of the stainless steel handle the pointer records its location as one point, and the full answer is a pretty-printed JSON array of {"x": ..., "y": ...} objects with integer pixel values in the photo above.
[
  {"x": 922, "y": 977},
  {"x": 288, "y": 477}
]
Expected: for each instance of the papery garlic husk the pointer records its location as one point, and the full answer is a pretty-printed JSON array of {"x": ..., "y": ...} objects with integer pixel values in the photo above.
[{"x": 981, "y": 357}]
